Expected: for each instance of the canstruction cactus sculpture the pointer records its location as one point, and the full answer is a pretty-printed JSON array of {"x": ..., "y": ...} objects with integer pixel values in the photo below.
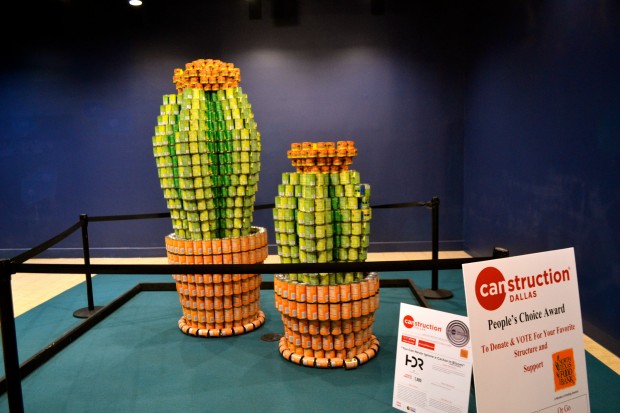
[
  {"x": 322, "y": 214},
  {"x": 207, "y": 150}
]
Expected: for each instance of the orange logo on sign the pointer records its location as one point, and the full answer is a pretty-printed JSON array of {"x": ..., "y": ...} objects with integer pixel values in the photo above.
[{"x": 564, "y": 369}]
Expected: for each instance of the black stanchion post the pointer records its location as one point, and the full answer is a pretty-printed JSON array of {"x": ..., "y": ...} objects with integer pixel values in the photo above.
[
  {"x": 435, "y": 292},
  {"x": 87, "y": 311},
  {"x": 9, "y": 340}
]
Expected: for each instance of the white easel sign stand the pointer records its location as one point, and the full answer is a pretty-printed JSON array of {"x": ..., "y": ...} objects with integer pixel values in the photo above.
[
  {"x": 433, "y": 362},
  {"x": 526, "y": 332}
]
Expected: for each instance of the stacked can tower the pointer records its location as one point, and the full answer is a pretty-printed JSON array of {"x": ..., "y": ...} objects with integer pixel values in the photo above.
[
  {"x": 207, "y": 150},
  {"x": 322, "y": 214}
]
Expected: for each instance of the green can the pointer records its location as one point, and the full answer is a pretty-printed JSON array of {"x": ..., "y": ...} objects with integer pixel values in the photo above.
[{"x": 346, "y": 228}]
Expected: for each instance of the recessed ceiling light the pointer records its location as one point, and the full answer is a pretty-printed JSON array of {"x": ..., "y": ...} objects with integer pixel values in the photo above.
[{"x": 135, "y": 2}]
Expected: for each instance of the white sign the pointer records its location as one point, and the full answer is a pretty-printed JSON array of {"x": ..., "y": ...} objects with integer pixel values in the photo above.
[
  {"x": 527, "y": 337},
  {"x": 433, "y": 361}
]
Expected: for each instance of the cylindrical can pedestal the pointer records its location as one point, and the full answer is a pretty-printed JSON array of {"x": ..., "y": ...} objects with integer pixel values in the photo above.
[
  {"x": 217, "y": 305},
  {"x": 328, "y": 326}
]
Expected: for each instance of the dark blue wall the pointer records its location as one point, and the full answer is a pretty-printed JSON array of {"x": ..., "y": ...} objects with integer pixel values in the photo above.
[
  {"x": 507, "y": 111},
  {"x": 542, "y": 141},
  {"x": 78, "y": 108}
]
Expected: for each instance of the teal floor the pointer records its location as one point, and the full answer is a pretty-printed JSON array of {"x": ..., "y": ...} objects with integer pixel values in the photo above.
[{"x": 137, "y": 359}]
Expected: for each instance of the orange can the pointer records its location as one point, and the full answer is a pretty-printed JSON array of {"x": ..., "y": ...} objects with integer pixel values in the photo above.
[
  {"x": 216, "y": 245},
  {"x": 252, "y": 242},
  {"x": 303, "y": 325},
  {"x": 323, "y": 310},
  {"x": 236, "y": 257},
  {"x": 349, "y": 340},
  {"x": 347, "y": 326},
  {"x": 306, "y": 340},
  {"x": 364, "y": 288},
  {"x": 365, "y": 306},
  {"x": 302, "y": 310},
  {"x": 345, "y": 310},
  {"x": 311, "y": 293},
  {"x": 336, "y": 327},
  {"x": 334, "y": 293},
  {"x": 312, "y": 310},
  {"x": 362, "y": 357},
  {"x": 207, "y": 247},
  {"x": 295, "y": 324},
  {"x": 334, "y": 311},
  {"x": 236, "y": 287},
  {"x": 244, "y": 245},
  {"x": 300, "y": 292},
  {"x": 226, "y": 246},
  {"x": 355, "y": 291},
  {"x": 235, "y": 245},
  {"x": 292, "y": 308},
  {"x": 228, "y": 315},
  {"x": 316, "y": 342},
  {"x": 237, "y": 313},
  {"x": 324, "y": 328},
  {"x": 328, "y": 342},
  {"x": 322, "y": 293},
  {"x": 210, "y": 317},
  {"x": 197, "y": 247},
  {"x": 338, "y": 342},
  {"x": 219, "y": 316},
  {"x": 236, "y": 300},
  {"x": 292, "y": 291},
  {"x": 313, "y": 327}
]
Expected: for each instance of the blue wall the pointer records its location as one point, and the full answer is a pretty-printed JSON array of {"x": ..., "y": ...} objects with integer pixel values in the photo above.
[
  {"x": 78, "y": 107},
  {"x": 542, "y": 142},
  {"x": 507, "y": 111}
]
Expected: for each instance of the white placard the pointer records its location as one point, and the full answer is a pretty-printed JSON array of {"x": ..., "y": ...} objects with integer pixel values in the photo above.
[
  {"x": 433, "y": 361},
  {"x": 526, "y": 332}
]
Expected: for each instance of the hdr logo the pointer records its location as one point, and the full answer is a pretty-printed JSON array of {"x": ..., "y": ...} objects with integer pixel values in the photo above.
[{"x": 408, "y": 321}]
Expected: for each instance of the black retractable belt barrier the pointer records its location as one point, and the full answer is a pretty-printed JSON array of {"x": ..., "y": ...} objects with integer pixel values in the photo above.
[
  {"x": 9, "y": 339},
  {"x": 87, "y": 311},
  {"x": 434, "y": 292},
  {"x": 14, "y": 373}
]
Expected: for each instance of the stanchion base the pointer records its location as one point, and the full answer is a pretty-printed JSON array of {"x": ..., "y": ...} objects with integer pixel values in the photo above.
[
  {"x": 437, "y": 294},
  {"x": 271, "y": 337},
  {"x": 85, "y": 312}
]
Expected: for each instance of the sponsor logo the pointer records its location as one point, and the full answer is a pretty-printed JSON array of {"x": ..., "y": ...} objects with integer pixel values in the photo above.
[{"x": 492, "y": 287}]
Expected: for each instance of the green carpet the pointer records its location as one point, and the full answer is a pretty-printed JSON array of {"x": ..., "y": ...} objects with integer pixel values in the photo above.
[{"x": 137, "y": 360}]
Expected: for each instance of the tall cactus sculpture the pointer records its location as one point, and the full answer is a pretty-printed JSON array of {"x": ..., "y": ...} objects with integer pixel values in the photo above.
[{"x": 207, "y": 151}]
